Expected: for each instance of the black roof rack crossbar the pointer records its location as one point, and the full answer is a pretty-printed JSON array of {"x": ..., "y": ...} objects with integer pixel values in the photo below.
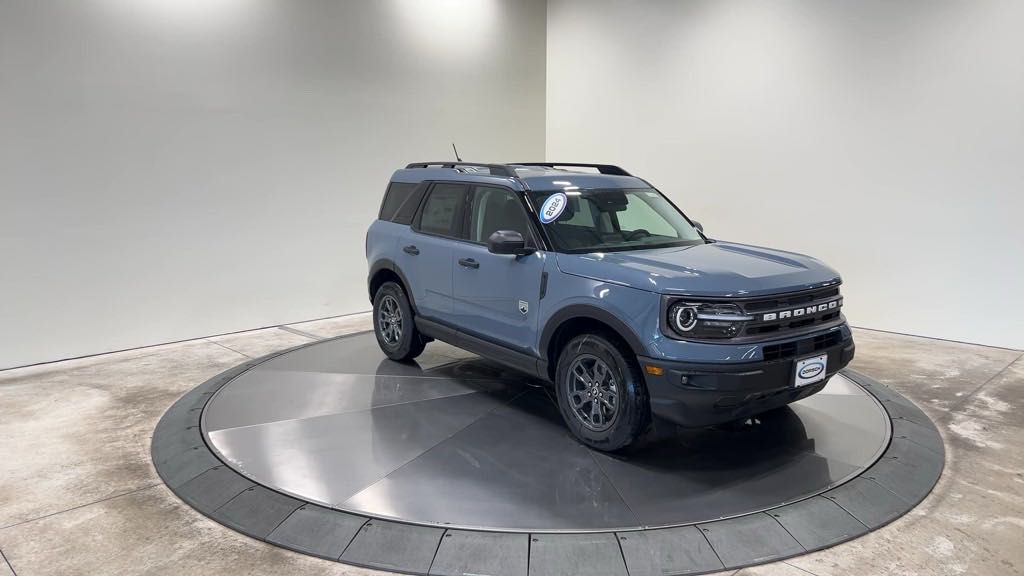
[
  {"x": 602, "y": 168},
  {"x": 495, "y": 169}
]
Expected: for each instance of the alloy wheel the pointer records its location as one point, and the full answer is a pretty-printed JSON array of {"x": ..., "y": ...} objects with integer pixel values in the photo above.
[
  {"x": 389, "y": 321},
  {"x": 593, "y": 392}
]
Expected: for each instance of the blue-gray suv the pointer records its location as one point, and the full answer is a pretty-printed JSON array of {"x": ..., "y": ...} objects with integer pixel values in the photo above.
[{"x": 588, "y": 277}]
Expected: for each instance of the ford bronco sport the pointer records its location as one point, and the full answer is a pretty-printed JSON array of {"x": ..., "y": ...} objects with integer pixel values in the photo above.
[{"x": 589, "y": 278}]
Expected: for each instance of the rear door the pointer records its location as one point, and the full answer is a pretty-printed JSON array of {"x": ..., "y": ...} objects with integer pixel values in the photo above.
[
  {"x": 496, "y": 296},
  {"x": 426, "y": 250}
]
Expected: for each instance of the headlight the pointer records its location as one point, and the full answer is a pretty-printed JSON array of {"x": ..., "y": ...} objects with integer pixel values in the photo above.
[
  {"x": 706, "y": 319},
  {"x": 683, "y": 318}
]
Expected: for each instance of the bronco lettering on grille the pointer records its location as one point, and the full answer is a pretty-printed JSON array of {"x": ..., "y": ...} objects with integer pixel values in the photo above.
[{"x": 803, "y": 311}]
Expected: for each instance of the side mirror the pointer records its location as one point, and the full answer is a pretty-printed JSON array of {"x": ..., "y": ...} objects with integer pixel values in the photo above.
[
  {"x": 508, "y": 242},
  {"x": 698, "y": 226}
]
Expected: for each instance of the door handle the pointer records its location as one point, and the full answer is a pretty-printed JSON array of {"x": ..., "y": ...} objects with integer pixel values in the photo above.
[
  {"x": 468, "y": 263},
  {"x": 410, "y": 249}
]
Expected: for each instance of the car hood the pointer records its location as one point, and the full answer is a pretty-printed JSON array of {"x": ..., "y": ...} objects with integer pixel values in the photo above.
[{"x": 720, "y": 269}]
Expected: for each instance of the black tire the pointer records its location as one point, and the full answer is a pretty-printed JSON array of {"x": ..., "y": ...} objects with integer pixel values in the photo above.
[
  {"x": 628, "y": 424},
  {"x": 393, "y": 324}
]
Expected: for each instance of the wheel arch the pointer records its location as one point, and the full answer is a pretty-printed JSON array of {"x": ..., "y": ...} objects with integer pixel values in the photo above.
[
  {"x": 385, "y": 270},
  {"x": 579, "y": 318}
]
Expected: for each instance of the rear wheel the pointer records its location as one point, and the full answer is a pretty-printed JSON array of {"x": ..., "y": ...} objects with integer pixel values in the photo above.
[
  {"x": 601, "y": 393},
  {"x": 393, "y": 323}
]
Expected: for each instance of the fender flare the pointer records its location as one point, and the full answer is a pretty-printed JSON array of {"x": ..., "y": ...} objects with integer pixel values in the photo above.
[
  {"x": 589, "y": 311},
  {"x": 388, "y": 264}
]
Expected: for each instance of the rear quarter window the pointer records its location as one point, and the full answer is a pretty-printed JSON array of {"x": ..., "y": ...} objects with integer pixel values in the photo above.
[{"x": 400, "y": 202}]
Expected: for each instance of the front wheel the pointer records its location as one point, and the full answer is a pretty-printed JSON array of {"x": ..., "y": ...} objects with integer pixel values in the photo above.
[
  {"x": 601, "y": 393},
  {"x": 393, "y": 324}
]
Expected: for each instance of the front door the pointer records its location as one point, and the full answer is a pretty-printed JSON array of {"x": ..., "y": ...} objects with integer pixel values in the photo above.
[{"x": 495, "y": 295}]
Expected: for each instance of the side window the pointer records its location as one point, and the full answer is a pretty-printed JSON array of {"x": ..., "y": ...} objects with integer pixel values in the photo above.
[
  {"x": 407, "y": 211},
  {"x": 442, "y": 212},
  {"x": 398, "y": 194},
  {"x": 496, "y": 209}
]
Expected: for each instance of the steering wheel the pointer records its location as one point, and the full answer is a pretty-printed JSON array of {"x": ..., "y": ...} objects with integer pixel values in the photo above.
[{"x": 636, "y": 235}]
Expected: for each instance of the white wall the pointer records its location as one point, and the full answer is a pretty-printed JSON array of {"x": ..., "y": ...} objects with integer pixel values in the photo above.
[
  {"x": 886, "y": 138},
  {"x": 171, "y": 169}
]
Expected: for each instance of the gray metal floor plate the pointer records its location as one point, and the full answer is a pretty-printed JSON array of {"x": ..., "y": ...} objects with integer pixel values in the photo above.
[
  {"x": 257, "y": 510},
  {"x": 906, "y": 481},
  {"x": 183, "y": 467},
  {"x": 817, "y": 522},
  {"x": 493, "y": 553},
  {"x": 214, "y": 488},
  {"x": 869, "y": 502},
  {"x": 751, "y": 539},
  {"x": 682, "y": 550},
  {"x": 453, "y": 466},
  {"x": 925, "y": 436},
  {"x": 573, "y": 554},
  {"x": 393, "y": 546},
  {"x": 317, "y": 531}
]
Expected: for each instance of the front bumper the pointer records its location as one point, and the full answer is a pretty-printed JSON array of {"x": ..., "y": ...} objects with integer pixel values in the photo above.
[{"x": 695, "y": 395}]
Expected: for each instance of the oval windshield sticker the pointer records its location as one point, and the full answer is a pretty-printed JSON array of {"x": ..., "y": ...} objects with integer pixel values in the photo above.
[{"x": 553, "y": 207}]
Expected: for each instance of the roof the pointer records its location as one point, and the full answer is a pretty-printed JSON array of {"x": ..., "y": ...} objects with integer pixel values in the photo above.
[{"x": 528, "y": 176}]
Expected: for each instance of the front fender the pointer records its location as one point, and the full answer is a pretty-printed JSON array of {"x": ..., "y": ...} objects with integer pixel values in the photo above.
[
  {"x": 590, "y": 311},
  {"x": 628, "y": 311}
]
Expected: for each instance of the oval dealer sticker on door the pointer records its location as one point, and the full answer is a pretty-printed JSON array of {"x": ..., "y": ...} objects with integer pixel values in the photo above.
[{"x": 553, "y": 207}]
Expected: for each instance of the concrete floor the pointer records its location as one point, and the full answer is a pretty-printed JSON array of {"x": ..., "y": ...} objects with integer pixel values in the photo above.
[{"x": 78, "y": 494}]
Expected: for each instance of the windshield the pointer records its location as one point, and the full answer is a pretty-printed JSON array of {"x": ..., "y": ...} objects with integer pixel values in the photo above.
[{"x": 580, "y": 221}]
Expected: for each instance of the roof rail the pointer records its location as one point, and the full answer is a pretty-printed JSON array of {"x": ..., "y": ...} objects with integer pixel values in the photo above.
[
  {"x": 602, "y": 168},
  {"x": 495, "y": 169}
]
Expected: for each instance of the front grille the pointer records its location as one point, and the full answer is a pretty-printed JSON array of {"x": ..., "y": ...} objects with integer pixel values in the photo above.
[
  {"x": 782, "y": 314},
  {"x": 801, "y": 347},
  {"x": 789, "y": 301},
  {"x": 755, "y": 319}
]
